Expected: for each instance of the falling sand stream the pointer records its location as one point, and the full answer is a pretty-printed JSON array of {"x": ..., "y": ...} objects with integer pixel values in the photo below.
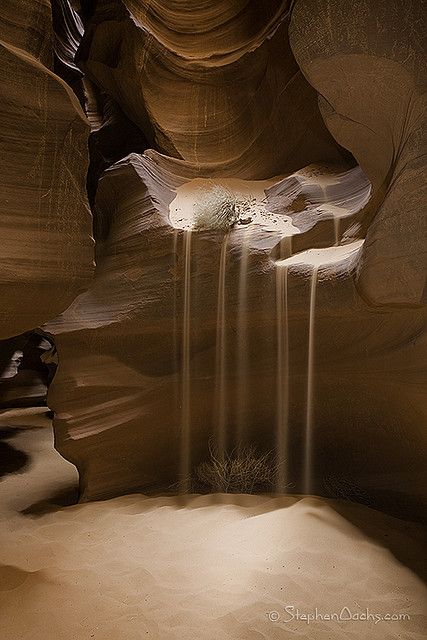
[
  {"x": 282, "y": 375},
  {"x": 308, "y": 454},
  {"x": 175, "y": 341},
  {"x": 181, "y": 214},
  {"x": 282, "y": 378},
  {"x": 314, "y": 258},
  {"x": 242, "y": 372},
  {"x": 220, "y": 355},
  {"x": 336, "y": 230},
  {"x": 185, "y": 451}
]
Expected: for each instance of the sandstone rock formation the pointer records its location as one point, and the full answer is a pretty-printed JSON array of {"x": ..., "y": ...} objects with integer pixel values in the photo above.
[
  {"x": 217, "y": 86},
  {"x": 369, "y": 70},
  {"x": 46, "y": 246},
  {"x": 118, "y": 394},
  {"x": 24, "y": 377},
  {"x": 179, "y": 335},
  {"x": 302, "y": 329}
]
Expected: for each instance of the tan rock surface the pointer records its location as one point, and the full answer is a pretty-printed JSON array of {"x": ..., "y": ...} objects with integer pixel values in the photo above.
[
  {"x": 215, "y": 85},
  {"x": 118, "y": 392},
  {"x": 178, "y": 329},
  {"x": 367, "y": 62},
  {"x": 46, "y": 246}
]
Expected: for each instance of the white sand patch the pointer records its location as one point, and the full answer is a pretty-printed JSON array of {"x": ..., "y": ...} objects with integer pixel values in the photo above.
[
  {"x": 322, "y": 257},
  {"x": 181, "y": 209}
]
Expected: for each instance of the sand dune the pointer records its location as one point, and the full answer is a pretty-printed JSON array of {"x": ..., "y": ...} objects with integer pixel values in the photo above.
[{"x": 207, "y": 568}]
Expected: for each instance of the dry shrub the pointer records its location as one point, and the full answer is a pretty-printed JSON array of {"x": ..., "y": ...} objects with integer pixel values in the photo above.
[
  {"x": 218, "y": 208},
  {"x": 244, "y": 471}
]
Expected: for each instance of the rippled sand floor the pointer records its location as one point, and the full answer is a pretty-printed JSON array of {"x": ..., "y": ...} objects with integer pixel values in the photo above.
[{"x": 209, "y": 568}]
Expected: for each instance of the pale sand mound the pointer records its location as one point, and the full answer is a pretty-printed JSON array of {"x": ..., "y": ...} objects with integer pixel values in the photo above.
[{"x": 136, "y": 567}]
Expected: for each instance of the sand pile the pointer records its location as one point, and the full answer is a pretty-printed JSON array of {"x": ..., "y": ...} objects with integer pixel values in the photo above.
[{"x": 210, "y": 568}]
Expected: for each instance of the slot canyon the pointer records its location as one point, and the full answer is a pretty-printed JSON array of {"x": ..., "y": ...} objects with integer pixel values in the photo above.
[{"x": 213, "y": 346}]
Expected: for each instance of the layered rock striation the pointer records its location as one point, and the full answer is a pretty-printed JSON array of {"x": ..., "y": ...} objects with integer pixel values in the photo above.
[
  {"x": 119, "y": 392},
  {"x": 46, "y": 252},
  {"x": 368, "y": 67},
  {"x": 300, "y": 329},
  {"x": 216, "y": 86}
]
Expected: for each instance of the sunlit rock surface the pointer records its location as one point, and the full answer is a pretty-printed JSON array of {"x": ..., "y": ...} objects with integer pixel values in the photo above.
[
  {"x": 45, "y": 225},
  {"x": 214, "y": 84}
]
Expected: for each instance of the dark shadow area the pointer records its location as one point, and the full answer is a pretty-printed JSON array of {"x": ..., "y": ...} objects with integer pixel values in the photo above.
[
  {"x": 388, "y": 534},
  {"x": 63, "y": 498},
  {"x": 380, "y": 493},
  {"x": 8, "y": 432},
  {"x": 12, "y": 577},
  {"x": 12, "y": 460}
]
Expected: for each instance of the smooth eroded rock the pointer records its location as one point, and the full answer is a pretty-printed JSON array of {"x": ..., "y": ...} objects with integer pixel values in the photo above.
[
  {"x": 46, "y": 250},
  {"x": 368, "y": 67}
]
